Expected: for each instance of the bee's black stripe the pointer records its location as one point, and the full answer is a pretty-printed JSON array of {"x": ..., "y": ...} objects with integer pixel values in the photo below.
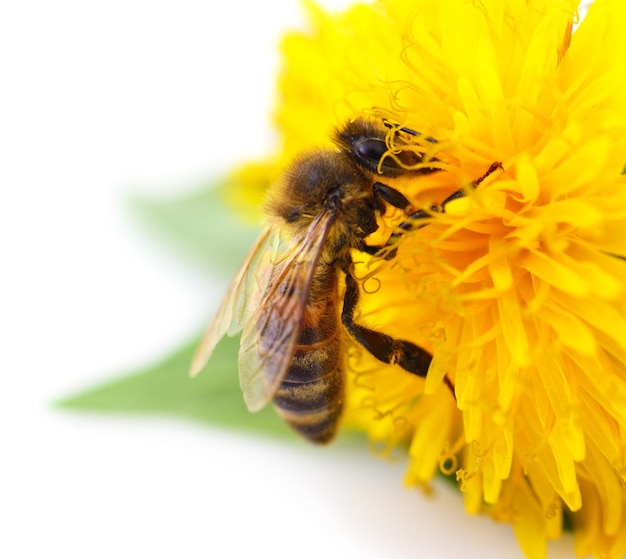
[
  {"x": 319, "y": 426},
  {"x": 302, "y": 397},
  {"x": 311, "y": 336}
]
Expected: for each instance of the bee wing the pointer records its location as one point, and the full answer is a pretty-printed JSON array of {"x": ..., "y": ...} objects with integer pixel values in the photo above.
[
  {"x": 242, "y": 299},
  {"x": 269, "y": 338}
]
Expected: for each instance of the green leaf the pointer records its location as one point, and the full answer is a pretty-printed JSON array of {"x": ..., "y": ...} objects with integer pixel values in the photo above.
[
  {"x": 198, "y": 225},
  {"x": 214, "y": 396}
]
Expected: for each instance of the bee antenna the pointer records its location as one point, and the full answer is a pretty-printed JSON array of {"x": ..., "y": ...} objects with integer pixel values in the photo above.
[{"x": 390, "y": 125}]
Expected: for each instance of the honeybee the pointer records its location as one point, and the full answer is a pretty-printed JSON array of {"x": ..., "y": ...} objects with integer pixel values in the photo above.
[{"x": 285, "y": 297}]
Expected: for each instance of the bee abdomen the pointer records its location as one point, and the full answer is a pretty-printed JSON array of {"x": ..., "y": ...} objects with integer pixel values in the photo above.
[{"x": 310, "y": 398}]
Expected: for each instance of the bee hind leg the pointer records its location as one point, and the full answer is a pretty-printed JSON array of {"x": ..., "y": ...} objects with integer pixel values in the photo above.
[
  {"x": 407, "y": 355},
  {"x": 410, "y": 357}
]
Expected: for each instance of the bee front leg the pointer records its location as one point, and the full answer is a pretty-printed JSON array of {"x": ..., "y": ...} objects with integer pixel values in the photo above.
[
  {"x": 384, "y": 195},
  {"x": 410, "y": 357},
  {"x": 393, "y": 197},
  {"x": 412, "y": 221},
  {"x": 373, "y": 250}
]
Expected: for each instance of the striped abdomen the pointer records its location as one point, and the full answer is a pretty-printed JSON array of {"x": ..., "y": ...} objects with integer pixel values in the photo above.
[{"x": 310, "y": 398}]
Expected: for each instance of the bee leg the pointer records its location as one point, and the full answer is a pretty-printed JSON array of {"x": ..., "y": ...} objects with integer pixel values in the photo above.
[
  {"x": 412, "y": 221},
  {"x": 370, "y": 249},
  {"x": 384, "y": 193},
  {"x": 410, "y": 357}
]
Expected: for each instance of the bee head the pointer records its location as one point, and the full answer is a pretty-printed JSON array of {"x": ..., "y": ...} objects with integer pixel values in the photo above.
[{"x": 367, "y": 144}]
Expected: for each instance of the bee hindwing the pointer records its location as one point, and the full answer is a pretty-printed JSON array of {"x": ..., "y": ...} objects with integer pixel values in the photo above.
[{"x": 242, "y": 298}]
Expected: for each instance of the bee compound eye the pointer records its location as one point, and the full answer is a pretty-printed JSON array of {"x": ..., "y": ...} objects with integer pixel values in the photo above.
[{"x": 370, "y": 151}]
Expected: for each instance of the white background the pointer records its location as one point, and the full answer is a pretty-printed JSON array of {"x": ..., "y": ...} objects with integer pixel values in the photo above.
[{"x": 99, "y": 100}]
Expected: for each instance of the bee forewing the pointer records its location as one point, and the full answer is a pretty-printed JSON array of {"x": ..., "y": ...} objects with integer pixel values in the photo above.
[
  {"x": 270, "y": 336},
  {"x": 242, "y": 298},
  {"x": 267, "y": 344}
]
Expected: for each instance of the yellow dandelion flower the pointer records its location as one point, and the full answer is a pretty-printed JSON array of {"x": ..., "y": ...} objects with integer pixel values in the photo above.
[{"x": 518, "y": 289}]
